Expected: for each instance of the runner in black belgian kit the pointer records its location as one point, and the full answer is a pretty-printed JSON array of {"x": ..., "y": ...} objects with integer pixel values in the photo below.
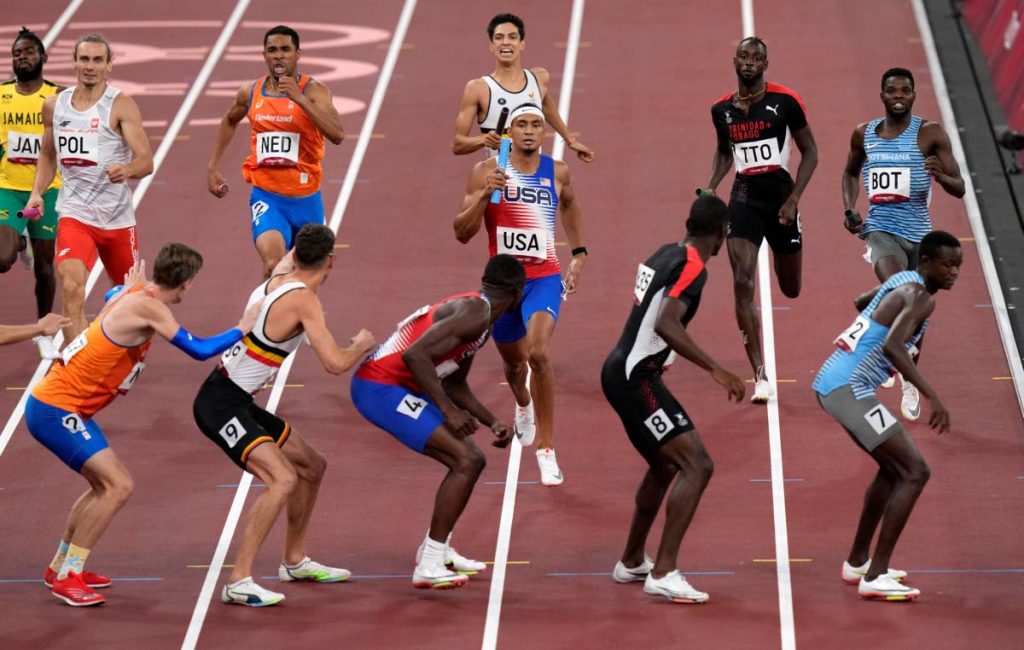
[
  {"x": 753, "y": 126},
  {"x": 665, "y": 297}
]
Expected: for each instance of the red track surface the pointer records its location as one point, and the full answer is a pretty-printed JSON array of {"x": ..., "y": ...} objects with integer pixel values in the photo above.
[{"x": 643, "y": 87}]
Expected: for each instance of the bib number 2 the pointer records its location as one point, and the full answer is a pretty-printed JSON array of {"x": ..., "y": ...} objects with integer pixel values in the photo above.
[{"x": 852, "y": 335}]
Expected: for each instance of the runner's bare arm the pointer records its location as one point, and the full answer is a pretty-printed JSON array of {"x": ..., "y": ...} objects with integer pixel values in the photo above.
[
  {"x": 457, "y": 388},
  {"x": 861, "y": 302},
  {"x": 669, "y": 326},
  {"x": 128, "y": 120},
  {"x": 940, "y": 163},
  {"x": 469, "y": 110},
  {"x": 157, "y": 316},
  {"x": 47, "y": 326},
  {"x": 804, "y": 140},
  {"x": 318, "y": 105},
  {"x": 917, "y": 305},
  {"x": 46, "y": 165},
  {"x": 583, "y": 152},
  {"x": 334, "y": 358},
  {"x": 851, "y": 178},
  {"x": 484, "y": 179},
  {"x": 721, "y": 163},
  {"x": 225, "y": 132},
  {"x": 572, "y": 223}
]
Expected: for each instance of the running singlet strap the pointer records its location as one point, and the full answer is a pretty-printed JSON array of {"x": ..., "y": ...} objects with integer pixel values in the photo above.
[
  {"x": 21, "y": 135},
  {"x": 523, "y": 223},
  {"x": 898, "y": 187}
]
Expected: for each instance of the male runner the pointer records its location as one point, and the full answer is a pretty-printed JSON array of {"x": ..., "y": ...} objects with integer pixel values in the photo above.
[
  {"x": 291, "y": 468},
  {"x": 21, "y": 131},
  {"x": 484, "y": 97},
  {"x": 881, "y": 340},
  {"x": 95, "y": 132},
  {"x": 533, "y": 188},
  {"x": 753, "y": 126},
  {"x": 897, "y": 156},
  {"x": 48, "y": 325},
  {"x": 102, "y": 362},
  {"x": 414, "y": 387},
  {"x": 289, "y": 114},
  {"x": 666, "y": 294}
]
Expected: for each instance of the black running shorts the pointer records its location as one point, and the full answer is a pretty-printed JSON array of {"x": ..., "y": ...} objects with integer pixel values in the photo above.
[
  {"x": 754, "y": 213},
  {"x": 649, "y": 412}
]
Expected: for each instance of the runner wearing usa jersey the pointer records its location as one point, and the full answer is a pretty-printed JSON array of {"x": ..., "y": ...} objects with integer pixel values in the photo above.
[
  {"x": 414, "y": 387},
  {"x": 879, "y": 342},
  {"x": 754, "y": 126},
  {"x": 94, "y": 131},
  {"x": 533, "y": 190},
  {"x": 102, "y": 362},
  {"x": 290, "y": 114},
  {"x": 224, "y": 409},
  {"x": 666, "y": 294},
  {"x": 896, "y": 157}
]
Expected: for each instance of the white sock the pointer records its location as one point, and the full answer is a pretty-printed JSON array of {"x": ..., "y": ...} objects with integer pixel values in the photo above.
[{"x": 433, "y": 552}]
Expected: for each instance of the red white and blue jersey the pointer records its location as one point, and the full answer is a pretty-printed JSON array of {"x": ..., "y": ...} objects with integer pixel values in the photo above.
[
  {"x": 386, "y": 366},
  {"x": 523, "y": 224}
]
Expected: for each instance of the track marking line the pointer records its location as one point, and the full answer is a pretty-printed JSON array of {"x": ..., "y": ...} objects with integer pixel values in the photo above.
[
  {"x": 771, "y": 560},
  {"x": 235, "y": 513},
  {"x": 61, "y": 22}
]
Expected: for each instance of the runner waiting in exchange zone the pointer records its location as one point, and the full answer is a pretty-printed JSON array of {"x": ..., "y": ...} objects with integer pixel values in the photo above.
[
  {"x": 414, "y": 387},
  {"x": 880, "y": 342},
  {"x": 897, "y": 156},
  {"x": 291, "y": 468},
  {"x": 534, "y": 187},
  {"x": 754, "y": 125},
  {"x": 484, "y": 97},
  {"x": 102, "y": 362},
  {"x": 666, "y": 295},
  {"x": 289, "y": 114}
]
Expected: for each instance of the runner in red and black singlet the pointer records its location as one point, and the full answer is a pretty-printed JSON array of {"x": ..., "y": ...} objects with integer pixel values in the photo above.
[{"x": 754, "y": 126}]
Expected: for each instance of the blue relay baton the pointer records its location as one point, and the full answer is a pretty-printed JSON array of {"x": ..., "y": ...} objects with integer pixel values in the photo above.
[{"x": 503, "y": 150}]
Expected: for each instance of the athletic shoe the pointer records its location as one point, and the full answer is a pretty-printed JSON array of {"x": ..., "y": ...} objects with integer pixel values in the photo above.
[
  {"x": 549, "y": 472},
  {"x": 851, "y": 575},
  {"x": 91, "y": 580},
  {"x": 525, "y": 427},
  {"x": 73, "y": 591},
  {"x": 910, "y": 405},
  {"x": 455, "y": 561},
  {"x": 311, "y": 571},
  {"x": 246, "y": 592},
  {"x": 762, "y": 392},
  {"x": 622, "y": 573},
  {"x": 888, "y": 383},
  {"x": 674, "y": 587},
  {"x": 885, "y": 588},
  {"x": 438, "y": 577},
  {"x": 47, "y": 348}
]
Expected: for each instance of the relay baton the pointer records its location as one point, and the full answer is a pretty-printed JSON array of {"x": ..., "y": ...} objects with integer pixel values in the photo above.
[
  {"x": 30, "y": 214},
  {"x": 503, "y": 150},
  {"x": 222, "y": 189}
]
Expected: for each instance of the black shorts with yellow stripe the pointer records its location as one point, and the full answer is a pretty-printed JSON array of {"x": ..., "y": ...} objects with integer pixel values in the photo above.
[{"x": 229, "y": 417}]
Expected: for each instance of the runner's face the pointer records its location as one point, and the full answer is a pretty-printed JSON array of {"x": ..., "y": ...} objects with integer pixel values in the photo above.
[
  {"x": 506, "y": 46},
  {"x": 281, "y": 55},
  {"x": 942, "y": 270},
  {"x": 751, "y": 62},
  {"x": 527, "y": 132},
  {"x": 898, "y": 96},
  {"x": 92, "y": 64},
  {"x": 26, "y": 60}
]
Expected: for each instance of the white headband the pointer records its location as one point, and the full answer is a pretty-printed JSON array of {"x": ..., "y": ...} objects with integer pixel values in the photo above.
[{"x": 525, "y": 109}]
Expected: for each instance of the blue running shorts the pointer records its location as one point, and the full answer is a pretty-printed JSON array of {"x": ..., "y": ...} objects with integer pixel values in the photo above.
[
  {"x": 539, "y": 294},
  {"x": 66, "y": 434},
  {"x": 285, "y": 214},
  {"x": 410, "y": 417}
]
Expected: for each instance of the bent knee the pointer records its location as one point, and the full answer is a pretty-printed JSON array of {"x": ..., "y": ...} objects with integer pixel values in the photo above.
[
  {"x": 539, "y": 361},
  {"x": 471, "y": 462},
  {"x": 918, "y": 474}
]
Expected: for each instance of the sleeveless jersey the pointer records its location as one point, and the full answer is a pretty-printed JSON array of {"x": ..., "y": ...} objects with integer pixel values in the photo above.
[
  {"x": 674, "y": 271},
  {"x": 21, "y": 135},
  {"x": 499, "y": 98},
  {"x": 286, "y": 147},
  {"x": 385, "y": 364},
  {"x": 86, "y": 147},
  {"x": 859, "y": 360},
  {"x": 523, "y": 224},
  {"x": 254, "y": 360},
  {"x": 898, "y": 187},
  {"x": 92, "y": 370},
  {"x": 760, "y": 139}
]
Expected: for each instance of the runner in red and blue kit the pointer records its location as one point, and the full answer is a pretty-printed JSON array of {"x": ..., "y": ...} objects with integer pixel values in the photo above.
[
  {"x": 754, "y": 125},
  {"x": 533, "y": 189},
  {"x": 414, "y": 387}
]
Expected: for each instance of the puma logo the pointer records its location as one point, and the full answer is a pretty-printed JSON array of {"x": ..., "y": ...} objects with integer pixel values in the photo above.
[{"x": 773, "y": 109}]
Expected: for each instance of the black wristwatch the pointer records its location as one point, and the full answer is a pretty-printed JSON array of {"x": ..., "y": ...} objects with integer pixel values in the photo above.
[{"x": 580, "y": 249}]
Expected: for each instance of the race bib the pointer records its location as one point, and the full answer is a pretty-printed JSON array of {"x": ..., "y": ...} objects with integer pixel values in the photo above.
[
  {"x": 889, "y": 184},
  {"x": 78, "y": 149},
  {"x": 232, "y": 432},
  {"x": 131, "y": 378},
  {"x": 852, "y": 335},
  {"x": 412, "y": 406},
  {"x": 73, "y": 348},
  {"x": 880, "y": 419},
  {"x": 757, "y": 157},
  {"x": 523, "y": 242},
  {"x": 446, "y": 368},
  {"x": 659, "y": 424},
  {"x": 277, "y": 149},
  {"x": 23, "y": 148},
  {"x": 644, "y": 275}
]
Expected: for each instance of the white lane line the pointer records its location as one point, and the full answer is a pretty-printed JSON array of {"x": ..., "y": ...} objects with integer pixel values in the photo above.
[
  {"x": 234, "y": 514},
  {"x": 988, "y": 266},
  {"x": 508, "y": 502},
  {"x": 783, "y": 579},
  {"x": 61, "y": 22},
  {"x": 140, "y": 192}
]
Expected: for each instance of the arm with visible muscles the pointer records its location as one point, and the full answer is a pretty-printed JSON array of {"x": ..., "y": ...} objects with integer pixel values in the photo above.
[
  {"x": 469, "y": 107},
  {"x": 129, "y": 122},
  {"x": 804, "y": 140},
  {"x": 334, "y": 358},
  {"x": 940, "y": 163},
  {"x": 851, "y": 179},
  {"x": 572, "y": 223},
  {"x": 458, "y": 390},
  {"x": 46, "y": 326},
  {"x": 46, "y": 165},
  {"x": 318, "y": 105},
  {"x": 722, "y": 161},
  {"x": 483, "y": 180},
  {"x": 551, "y": 116},
  {"x": 225, "y": 132},
  {"x": 669, "y": 326},
  {"x": 159, "y": 318}
]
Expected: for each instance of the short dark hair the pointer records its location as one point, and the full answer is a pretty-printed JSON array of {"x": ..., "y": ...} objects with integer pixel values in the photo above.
[
  {"x": 93, "y": 38},
  {"x": 707, "y": 216},
  {"x": 283, "y": 30},
  {"x": 313, "y": 245},
  {"x": 27, "y": 34},
  {"x": 756, "y": 40},
  {"x": 501, "y": 19},
  {"x": 934, "y": 241},
  {"x": 504, "y": 273},
  {"x": 897, "y": 72},
  {"x": 175, "y": 264}
]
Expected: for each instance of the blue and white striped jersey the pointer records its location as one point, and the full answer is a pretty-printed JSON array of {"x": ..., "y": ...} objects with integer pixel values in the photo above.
[{"x": 898, "y": 187}]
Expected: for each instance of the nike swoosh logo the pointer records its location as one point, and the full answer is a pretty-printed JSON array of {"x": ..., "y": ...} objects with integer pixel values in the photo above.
[
  {"x": 551, "y": 310},
  {"x": 872, "y": 145}
]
